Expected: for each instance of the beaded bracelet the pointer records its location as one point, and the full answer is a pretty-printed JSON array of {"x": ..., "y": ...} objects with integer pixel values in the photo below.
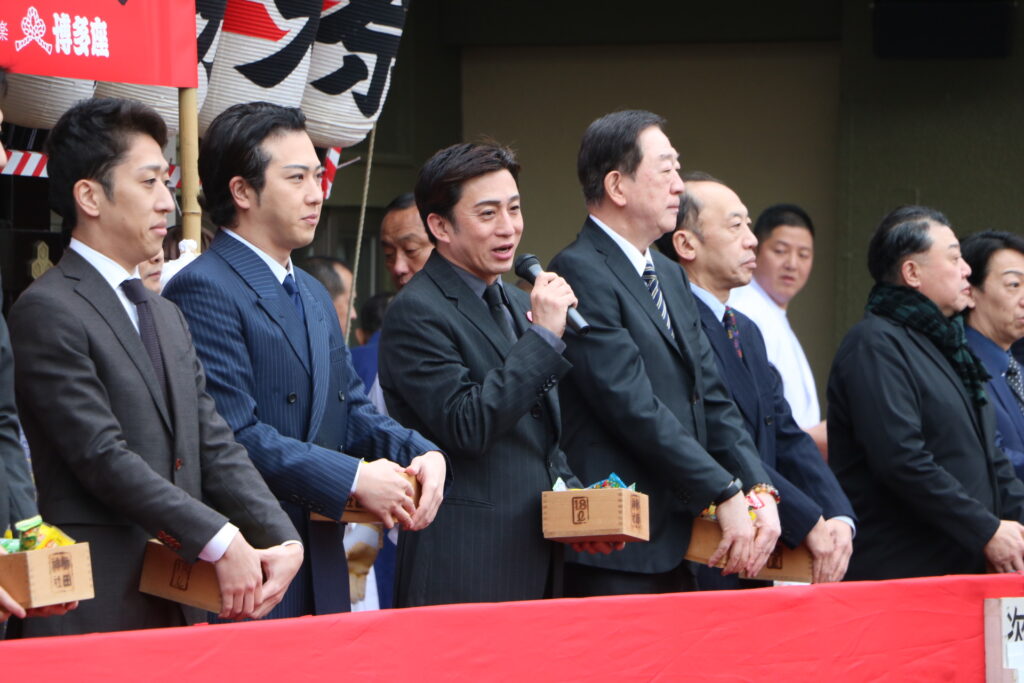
[{"x": 768, "y": 489}]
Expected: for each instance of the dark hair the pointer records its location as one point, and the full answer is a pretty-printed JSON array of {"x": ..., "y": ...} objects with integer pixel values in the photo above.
[
  {"x": 781, "y": 214},
  {"x": 902, "y": 233},
  {"x": 88, "y": 141},
  {"x": 371, "y": 313},
  {"x": 322, "y": 268},
  {"x": 612, "y": 143},
  {"x": 400, "y": 203},
  {"x": 977, "y": 250},
  {"x": 688, "y": 217},
  {"x": 439, "y": 185},
  {"x": 233, "y": 146}
]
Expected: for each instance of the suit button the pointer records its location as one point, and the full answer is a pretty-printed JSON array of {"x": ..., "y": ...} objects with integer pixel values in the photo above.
[
  {"x": 292, "y": 398},
  {"x": 696, "y": 397},
  {"x": 769, "y": 421},
  {"x": 341, "y": 395},
  {"x": 178, "y": 464},
  {"x": 536, "y": 412}
]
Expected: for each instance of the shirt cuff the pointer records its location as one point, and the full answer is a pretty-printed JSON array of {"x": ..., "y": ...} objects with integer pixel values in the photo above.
[
  {"x": 355, "y": 479},
  {"x": 846, "y": 520},
  {"x": 218, "y": 545},
  {"x": 550, "y": 337}
]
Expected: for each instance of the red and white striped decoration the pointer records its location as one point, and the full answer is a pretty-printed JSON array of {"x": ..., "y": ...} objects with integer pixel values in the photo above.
[{"x": 33, "y": 165}]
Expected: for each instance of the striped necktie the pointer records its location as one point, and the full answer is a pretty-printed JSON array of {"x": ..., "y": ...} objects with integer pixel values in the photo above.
[{"x": 651, "y": 279}]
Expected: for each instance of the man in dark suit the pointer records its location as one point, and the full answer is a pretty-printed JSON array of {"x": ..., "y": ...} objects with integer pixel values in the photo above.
[
  {"x": 278, "y": 367},
  {"x": 461, "y": 362},
  {"x": 644, "y": 398},
  {"x": 126, "y": 443},
  {"x": 995, "y": 322},
  {"x": 714, "y": 244},
  {"x": 910, "y": 427}
]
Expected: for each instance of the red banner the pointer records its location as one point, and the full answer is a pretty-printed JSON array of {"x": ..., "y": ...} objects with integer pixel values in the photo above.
[{"x": 127, "y": 41}]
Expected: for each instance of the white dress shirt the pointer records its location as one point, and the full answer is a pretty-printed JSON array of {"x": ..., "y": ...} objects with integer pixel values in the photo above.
[{"x": 784, "y": 351}]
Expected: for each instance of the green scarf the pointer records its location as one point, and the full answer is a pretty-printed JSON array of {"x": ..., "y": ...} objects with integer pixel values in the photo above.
[{"x": 908, "y": 307}]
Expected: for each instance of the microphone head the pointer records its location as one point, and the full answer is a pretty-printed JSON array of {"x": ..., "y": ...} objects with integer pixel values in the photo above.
[{"x": 524, "y": 263}]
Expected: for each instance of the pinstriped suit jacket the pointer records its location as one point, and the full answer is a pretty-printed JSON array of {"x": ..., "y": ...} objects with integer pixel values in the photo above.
[
  {"x": 116, "y": 462},
  {"x": 291, "y": 395},
  {"x": 448, "y": 371}
]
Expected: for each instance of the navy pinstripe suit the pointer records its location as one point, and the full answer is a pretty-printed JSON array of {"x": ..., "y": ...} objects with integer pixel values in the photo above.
[{"x": 289, "y": 392}]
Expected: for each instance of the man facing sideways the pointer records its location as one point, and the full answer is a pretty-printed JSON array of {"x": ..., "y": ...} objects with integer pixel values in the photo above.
[
  {"x": 785, "y": 254},
  {"x": 715, "y": 246},
  {"x": 403, "y": 239},
  {"x": 126, "y": 443},
  {"x": 995, "y": 322},
  {"x": 910, "y": 427},
  {"x": 644, "y": 399},
  {"x": 472, "y": 364},
  {"x": 269, "y": 337},
  {"x": 336, "y": 277}
]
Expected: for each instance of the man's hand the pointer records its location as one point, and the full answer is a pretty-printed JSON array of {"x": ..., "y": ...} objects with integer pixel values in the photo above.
[
  {"x": 385, "y": 492},
  {"x": 280, "y": 564},
  {"x": 768, "y": 531},
  {"x": 550, "y": 300},
  {"x": 1005, "y": 550},
  {"x": 737, "y": 535},
  {"x": 241, "y": 580},
  {"x": 842, "y": 536},
  {"x": 429, "y": 470},
  {"x": 595, "y": 547},
  {"x": 823, "y": 552}
]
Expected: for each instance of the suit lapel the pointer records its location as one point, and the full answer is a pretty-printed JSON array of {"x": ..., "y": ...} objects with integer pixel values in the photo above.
[
  {"x": 631, "y": 281},
  {"x": 521, "y": 324},
  {"x": 938, "y": 359},
  {"x": 319, "y": 352},
  {"x": 97, "y": 293},
  {"x": 732, "y": 365},
  {"x": 272, "y": 297},
  {"x": 466, "y": 302}
]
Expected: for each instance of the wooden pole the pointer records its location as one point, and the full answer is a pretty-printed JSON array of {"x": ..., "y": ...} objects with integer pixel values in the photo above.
[{"x": 188, "y": 144}]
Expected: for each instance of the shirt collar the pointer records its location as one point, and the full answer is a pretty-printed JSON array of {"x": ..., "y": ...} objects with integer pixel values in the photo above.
[
  {"x": 716, "y": 306},
  {"x": 475, "y": 284},
  {"x": 280, "y": 272},
  {"x": 109, "y": 269},
  {"x": 639, "y": 260}
]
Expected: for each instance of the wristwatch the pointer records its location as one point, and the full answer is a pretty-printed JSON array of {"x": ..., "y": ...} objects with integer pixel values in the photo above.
[{"x": 735, "y": 486}]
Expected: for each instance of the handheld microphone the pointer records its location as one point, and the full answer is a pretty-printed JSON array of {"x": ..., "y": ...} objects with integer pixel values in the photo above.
[{"x": 528, "y": 267}]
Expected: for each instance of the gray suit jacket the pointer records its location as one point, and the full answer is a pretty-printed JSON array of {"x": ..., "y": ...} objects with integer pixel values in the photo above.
[
  {"x": 449, "y": 372},
  {"x": 116, "y": 463},
  {"x": 645, "y": 405}
]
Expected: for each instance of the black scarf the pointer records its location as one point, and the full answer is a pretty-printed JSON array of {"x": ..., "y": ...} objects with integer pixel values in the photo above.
[{"x": 908, "y": 307}]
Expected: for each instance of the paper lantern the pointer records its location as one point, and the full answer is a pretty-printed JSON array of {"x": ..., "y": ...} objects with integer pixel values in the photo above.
[
  {"x": 39, "y": 101},
  {"x": 209, "y": 16},
  {"x": 350, "y": 70},
  {"x": 263, "y": 54}
]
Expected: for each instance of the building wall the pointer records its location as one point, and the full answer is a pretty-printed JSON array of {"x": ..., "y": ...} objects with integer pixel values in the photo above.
[{"x": 763, "y": 117}]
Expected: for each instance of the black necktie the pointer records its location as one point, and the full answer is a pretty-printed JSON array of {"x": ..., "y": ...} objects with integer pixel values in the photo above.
[
  {"x": 139, "y": 295},
  {"x": 293, "y": 291},
  {"x": 651, "y": 279},
  {"x": 1013, "y": 378},
  {"x": 729, "y": 320},
  {"x": 496, "y": 305}
]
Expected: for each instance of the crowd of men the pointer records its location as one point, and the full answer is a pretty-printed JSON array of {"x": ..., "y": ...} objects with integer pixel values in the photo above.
[{"x": 225, "y": 417}]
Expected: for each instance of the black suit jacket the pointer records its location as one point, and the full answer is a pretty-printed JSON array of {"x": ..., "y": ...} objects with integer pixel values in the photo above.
[
  {"x": 449, "y": 372},
  {"x": 116, "y": 462},
  {"x": 915, "y": 456},
  {"x": 644, "y": 405},
  {"x": 806, "y": 485}
]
